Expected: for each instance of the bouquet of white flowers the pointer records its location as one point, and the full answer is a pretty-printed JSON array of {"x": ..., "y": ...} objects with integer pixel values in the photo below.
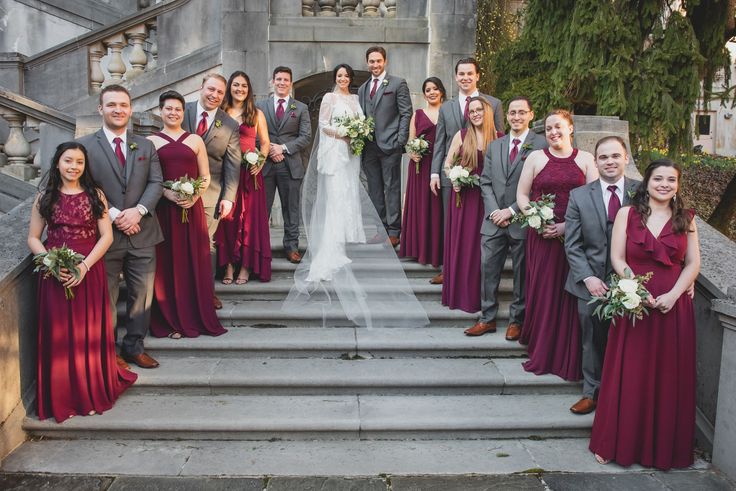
[
  {"x": 252, "y": 159},
  {"x": 358, "y": 129},
  {"x": 51, "y": 262},
  {"x": 185, "y": 189},
  {"x": 417, "y": 146},
  {"x": 538, "y": 214},
  {"x": 460, "y": 177},
  {"x": 624, "y": 297}
]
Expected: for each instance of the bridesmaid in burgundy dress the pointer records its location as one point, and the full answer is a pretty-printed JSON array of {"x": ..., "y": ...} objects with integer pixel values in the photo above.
[
  {"x": 77, "y": 370},
  {"x": 461, "y": 288},
  {"x": 243, "y": 238},
  {"x": 646, "y": 405},
  {"x": 183, "y": 288},
  {"x": 421, "y": 235},
  {"x": 551, "y": 328}
]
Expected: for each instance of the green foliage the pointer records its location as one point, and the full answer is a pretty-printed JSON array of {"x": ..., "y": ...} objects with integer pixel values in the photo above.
[
  {"x": 497, "y": 27},
  {"x": 686, "y": 160}
]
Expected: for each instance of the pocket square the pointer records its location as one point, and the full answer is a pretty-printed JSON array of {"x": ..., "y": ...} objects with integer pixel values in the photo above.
[
  {"x": 388, "y": 92},
  {"x": 293, "y": 115},
  {"x": 142, "y": 158}
]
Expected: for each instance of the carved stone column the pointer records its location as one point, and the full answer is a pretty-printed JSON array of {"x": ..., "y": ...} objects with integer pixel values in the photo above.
[
  {"x": 308, "y": 8},
  {"x": 349, "y": 8},
  {"x": 17, "y": 149},
  {"x": 116, "y": 65},
  {"x": 370, "y": 8},
  {"x": 96, "y": 76},
  {"x": 390, "y": 8},
  {"x": 152, "y": 26},
  {"x": 327, "y": 8},
  {"x": 137, "y": 56}
]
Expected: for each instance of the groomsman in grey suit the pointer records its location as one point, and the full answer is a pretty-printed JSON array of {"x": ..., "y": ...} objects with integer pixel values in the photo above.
[
  {"x": 386, "y": 98},
  {"x": 290, "y": 131},
  {"x": 221, "y": 137},
  {"x": 588, "y": 222},
  {"x": 127, "y": 169},
  {"x": 502, "y": 166},
  {"x": 452, "y": 118}
]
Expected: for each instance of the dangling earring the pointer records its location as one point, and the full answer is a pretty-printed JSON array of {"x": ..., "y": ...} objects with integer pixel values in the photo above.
[{"x": 674, "y": 198}]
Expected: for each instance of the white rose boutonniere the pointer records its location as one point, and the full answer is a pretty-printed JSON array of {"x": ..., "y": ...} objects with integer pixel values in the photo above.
[
  {"x": 218, "y": 123},
  {"x": 385, "y": 82},
  {"x": 133, "y": 146}
]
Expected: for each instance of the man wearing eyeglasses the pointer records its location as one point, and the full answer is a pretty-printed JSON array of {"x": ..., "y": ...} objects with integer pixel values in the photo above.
[{"x": 504, "y": 159}]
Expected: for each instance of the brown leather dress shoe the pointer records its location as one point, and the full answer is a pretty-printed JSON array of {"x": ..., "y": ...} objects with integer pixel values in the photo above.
[
  {"x": 294, "y": 257},
  {"x": 216, "y": 302},
  {"x": 513, "y": 332},
  {"x": 394, "y": 241},
  {"x": 122, "y": 363},
  {"x": 583, "y": 406},
  {"x": 480, "y": 328},
  {"x": 437, "y": 279},
  {"x": 143, "y": 360}
]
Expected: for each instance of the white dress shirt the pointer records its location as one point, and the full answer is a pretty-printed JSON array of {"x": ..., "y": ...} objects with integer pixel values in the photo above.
[
  {"x": 286, "y": 109},
  {"x": 462, "y": 98},
  {"x": 521, "y": 138},
  {"x": 607, "y": 194}
]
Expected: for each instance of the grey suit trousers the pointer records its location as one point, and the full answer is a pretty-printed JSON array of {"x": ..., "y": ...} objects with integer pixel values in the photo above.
[
  {"x": 383, "y": 173},
  {"x": 493, "y": 253},
  {"x": 594, "y": 335},
  {"x": 289, "y": 193}
]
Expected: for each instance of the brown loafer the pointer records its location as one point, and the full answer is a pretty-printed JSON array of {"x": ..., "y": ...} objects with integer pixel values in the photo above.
[
  {"x": 143, "y": 360},
  {"x": 394, "y": 241},
  {"x": 480, "y": 328},
  {"x": 122, "y": 363},
  {"x": 583, "y": 406},
  {"x": 513, "y": 332},
  {"x": 216, "y": 302},
  {"x": 294, "y": 257},
  {"x": 437, "y": 279}
]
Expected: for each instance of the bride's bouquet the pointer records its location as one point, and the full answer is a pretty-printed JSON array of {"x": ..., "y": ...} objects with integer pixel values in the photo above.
[
  {"x": 358, "y": 128},
  {"x": 417, "y": 146},
  {"x": 625, "y": 297},
  {"x": 460, "y": 177},
  {"x": 51, "y": 262},
  {"x": 251, "y": 159},
  {"x": 538, "y": 214},
  {"x": 185, "y": 188}
]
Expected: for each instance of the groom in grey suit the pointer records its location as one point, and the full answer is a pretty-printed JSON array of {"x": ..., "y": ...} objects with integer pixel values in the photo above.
[
  {"x": 385, "y": 98},
  {"x": 588, "y": 223},
  {"x": 452, "y": 118},
  {"x": 502, "y": 166},
  {"x": 127, "y": 169}
]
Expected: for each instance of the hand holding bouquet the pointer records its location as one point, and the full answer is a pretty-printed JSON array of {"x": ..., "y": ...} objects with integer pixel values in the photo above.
[
  {"x": 627, "y": 296},
  {"x": 358, "y": 129},
  {"x": 460, "y": 177},
  {"x": 59, "y": 262},
  {"x": 253, "y": 161},
  {"x": 186, "y": 189},
  {"x": 538, "y": 214},
  {"x": 417, "y": 148}
]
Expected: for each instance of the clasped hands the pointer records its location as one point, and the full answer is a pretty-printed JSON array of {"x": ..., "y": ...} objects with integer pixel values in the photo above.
[
  {"x": 664, "y": 303},
  {"x": 276, "y": 152},
  {"x": 69, "y": 280},
  {"x": 128, "y": 221},
  {"x": 501, "y": 218}
]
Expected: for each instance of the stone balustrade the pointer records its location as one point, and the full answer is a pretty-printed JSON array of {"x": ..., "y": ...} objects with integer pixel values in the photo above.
[{"x": 349, "y": 8}]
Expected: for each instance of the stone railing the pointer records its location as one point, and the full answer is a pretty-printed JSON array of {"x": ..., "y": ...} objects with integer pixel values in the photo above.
[
  {"x": 349, "y": 8},
  {"x": 25, "y": 117}
]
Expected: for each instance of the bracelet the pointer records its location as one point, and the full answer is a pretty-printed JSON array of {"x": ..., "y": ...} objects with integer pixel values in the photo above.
[{"x": 85, "y": 265}]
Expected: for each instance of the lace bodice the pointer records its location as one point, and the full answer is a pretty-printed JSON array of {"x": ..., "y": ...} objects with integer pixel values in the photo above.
[
  {"x": 336, "y": 105},
  {"x": 72, "y": 220}
]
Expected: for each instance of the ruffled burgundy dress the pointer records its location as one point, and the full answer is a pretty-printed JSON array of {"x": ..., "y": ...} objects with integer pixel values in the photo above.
[
  {"x": 646, "y": 405},
  {"x": 461, "y": 287},
  {"x": 551, "y": 328},
  {"x": 183, "y": 288},
  {"x": 421, "y": 232},
  {"x": 243, "y": 238},
  {"x": 77, "y": 370}
]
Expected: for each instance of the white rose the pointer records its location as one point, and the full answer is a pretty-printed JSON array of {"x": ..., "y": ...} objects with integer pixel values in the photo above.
[
  {"x": 631, "y": 301},
  {"x": 251, "y": 158},
  {"x": 464, "y": 173},
  {"x": 176, "y": 186},
  {"x": 535, "y": 222},
  {"x": 47, "y": 262},
  {"x": 187, "y": 188},
  {"x": 528, "y": 211},
  {"x": 627, "y": 286},
  {"x": 547, "y": 213},
  {"x": 341, "y": 131},
  {"x": 455, "y": 172}
]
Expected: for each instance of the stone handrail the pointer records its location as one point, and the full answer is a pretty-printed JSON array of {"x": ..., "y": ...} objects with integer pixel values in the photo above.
[{"x": 348, "y": 8}]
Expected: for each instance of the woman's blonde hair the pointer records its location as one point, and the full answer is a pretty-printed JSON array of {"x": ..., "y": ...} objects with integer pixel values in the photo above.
[{"x": 468, "y": 150}]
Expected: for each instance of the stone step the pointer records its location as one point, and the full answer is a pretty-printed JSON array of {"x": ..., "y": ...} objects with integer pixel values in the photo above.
[
  {"x": 218, "y": 376},
  {"x": 347, "y": 342},
  {"x": 369, "y": 417},
  {"x": 411, "y": 267}
]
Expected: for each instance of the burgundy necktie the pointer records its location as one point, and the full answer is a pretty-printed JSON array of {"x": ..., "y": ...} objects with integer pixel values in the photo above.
[
  {"x": 467, "y": 107},
  {"x": 614, "y": 204},
  {"x": 374, "y": 88},
  {"x": 280, "y": 110},
  {"x": 202, "y": 126},
  {"x": 514, "y": 151},
  {"x": 119, "y": 150}
]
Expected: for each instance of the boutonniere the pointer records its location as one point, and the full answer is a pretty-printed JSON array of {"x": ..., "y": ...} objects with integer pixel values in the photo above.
[
  {"x": 630, "y": 194},
  {"x": 292, "y": 106},
  {"x": 133, "y": 146},
  {"x": 385, "y": 82},
  {"x": 218, "y": 123},
  {"x": 526, "y": 146}
]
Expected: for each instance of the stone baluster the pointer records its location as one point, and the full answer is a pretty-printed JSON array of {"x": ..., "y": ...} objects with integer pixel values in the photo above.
[
  {"x": 137, "y": 56},
  {"x": 371, "y": 8},
  {"x": 153, "y": 41},
  {"x": 96, "y": 76},
  {"x": 17, "y": 149},
  {"x": 116, "y": 66},
  {"x": 308, "y": 8},
  {"x": 327, "y": 8},
  {"x": 390, "y": 8},
  {"x": 349, "y": 8}
]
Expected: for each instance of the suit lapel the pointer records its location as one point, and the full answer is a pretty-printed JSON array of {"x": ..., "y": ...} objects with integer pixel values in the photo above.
[
  {"x": 629, "y": 188},
  {"x": 596, "y": 196},
  {"x": 112, "y": 159},
  {"x": 130, "y": 156},
  {"x": 192, "y": 117},
  {"x": 505, "y": 155},
  {"x": 379, "y": 91},
  {"x": 271, "y": 113},
  {"x": 459, "y": 119}
]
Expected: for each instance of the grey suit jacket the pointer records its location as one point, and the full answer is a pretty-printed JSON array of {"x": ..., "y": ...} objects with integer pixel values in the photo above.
[
  {"x": 223, "y": 151},
  {"x": 294, "y": 130},
  {"x": 449, "y": 122},
  {"x": 500, "y": 178},
  {"x": 140, "y": 183},
  {"x": 391, "y": 110},
  {"x": 588, "y": 235}
]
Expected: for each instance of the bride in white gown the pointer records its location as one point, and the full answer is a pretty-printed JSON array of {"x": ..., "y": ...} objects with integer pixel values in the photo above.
[{"x": 341, "y": 276}]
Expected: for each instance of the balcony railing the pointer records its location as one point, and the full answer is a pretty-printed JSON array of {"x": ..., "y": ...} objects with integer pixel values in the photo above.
[{"x": 349, "y": 8}]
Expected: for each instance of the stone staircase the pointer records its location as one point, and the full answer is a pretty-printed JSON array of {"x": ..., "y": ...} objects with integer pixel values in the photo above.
[{"x": 273, "y": 377}]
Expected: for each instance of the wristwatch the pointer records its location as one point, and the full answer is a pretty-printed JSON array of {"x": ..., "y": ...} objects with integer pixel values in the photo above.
[{"x": 141, "y": 209}]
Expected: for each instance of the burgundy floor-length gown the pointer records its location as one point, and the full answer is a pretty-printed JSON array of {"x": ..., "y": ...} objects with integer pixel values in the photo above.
[
  {"x": 646, "y": 405},
  {"x": 551, "y": 328},
  {"x": 183, "y": 288},
  {"x": 461, "y": 287},
  {"x": 77, "y": 370},
  {"x": 421, "y": 232},
  {"x": 243, "y": 238}
]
